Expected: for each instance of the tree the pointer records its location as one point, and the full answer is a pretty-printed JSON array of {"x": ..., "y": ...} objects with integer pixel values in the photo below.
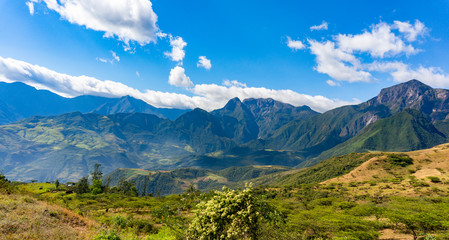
[
  {"x": 97, "y": 174},
  {"x": 231, "y": 214},
  {"x": 82, "y": 186},
  {"x": 127, "y": 187},
  {"x": 97, "y": 187},
  {"x": 57, "y": 184}
]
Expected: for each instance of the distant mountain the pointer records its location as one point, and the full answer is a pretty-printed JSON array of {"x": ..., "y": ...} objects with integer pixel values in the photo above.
[
  {"x": 19, "y": 101},
  {"x": 238, "y": 122},
  {"x": 270, "y": 115},
  {"x": 404, "y": 117},
  {"x": 129, "y": 104}
]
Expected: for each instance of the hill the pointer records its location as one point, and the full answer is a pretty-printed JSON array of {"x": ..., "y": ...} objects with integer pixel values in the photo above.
[
  {"x": 403, "y": 131},
  {"x": 160, "y": 183}
]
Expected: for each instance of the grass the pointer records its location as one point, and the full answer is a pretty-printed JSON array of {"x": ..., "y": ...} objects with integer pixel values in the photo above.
[{"x": 23, "y": 217}]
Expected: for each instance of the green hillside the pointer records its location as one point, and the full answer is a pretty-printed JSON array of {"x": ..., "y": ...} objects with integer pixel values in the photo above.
[
  {"x": 404, "y": 131},
  {"x": 158, "y": 183}
]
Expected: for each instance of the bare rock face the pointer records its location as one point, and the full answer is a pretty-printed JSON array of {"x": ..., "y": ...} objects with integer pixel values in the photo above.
[{"x": 415, "y": 95}]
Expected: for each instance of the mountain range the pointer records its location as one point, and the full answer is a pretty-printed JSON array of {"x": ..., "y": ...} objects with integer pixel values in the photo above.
[
  {"x": 128, "y": 133},
  {"x": 19, "y": 101}
]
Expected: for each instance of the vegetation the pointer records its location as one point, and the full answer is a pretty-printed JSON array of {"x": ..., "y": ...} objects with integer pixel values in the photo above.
[{"x": 357, "y": 196}]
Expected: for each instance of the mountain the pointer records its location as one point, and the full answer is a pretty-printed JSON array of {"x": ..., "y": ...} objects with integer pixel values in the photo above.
[
  {"x": 66, "y": 146},
  {"x": 401, "y": 118},
  {"x": 323, "y": 132},
  {"x": 404, "y": 131},
  {"x": 271, "y": 115},
  {"x": 238, "y": 121},
  {"x": 414, "y": 95},
  {"x": 19, "y": 101},
  {"x": 129, "y": 104}
]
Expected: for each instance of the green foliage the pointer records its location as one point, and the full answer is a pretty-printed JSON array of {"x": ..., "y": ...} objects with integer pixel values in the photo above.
[
  {"x": 57, "y": 184},
  {"x": 127, "y": 187},
  {"x": 402, "y": 160},
  {"x": 328, "y": 169},
  {"x": 434, "y": 179},
  {"x": 97, "y": 186},
  {"x": 82, "y": 186},
  {"x": 230, "y": 214},
  {"x": 97, "y": 174},
  {"x": 111, "y": 235}
]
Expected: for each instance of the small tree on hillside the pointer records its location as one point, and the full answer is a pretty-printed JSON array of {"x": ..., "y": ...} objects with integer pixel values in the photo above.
[
  {"x": 82, "y": 186},
  {"x": 57, "y": 184},
  {"x": 97, "y": 174}
]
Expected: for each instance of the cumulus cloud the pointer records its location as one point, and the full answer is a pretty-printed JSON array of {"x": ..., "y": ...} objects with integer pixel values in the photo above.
[
  {"x": 332, "y": 83},
  {"x": 402, "y": 72},
  {"x": 204, "y": 63},
  {"x": 295, "y": 44},
  {"x": 178, "y": 78},
  {"x": 337, "y": 63},
  {"x": 322, "y": 26},
  {"x": 411, "y": 31},
  {"x": 205, "y": 96},
  {"x": 112, "y": 60},
  {"x": 127, "y": 20},
  {"x": 177, "y": 53},
  {"x": 379, "y": 42},
  {"x": 355, "y": 58}
]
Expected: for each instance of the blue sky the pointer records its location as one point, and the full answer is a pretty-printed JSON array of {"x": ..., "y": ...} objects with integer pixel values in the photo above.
[{"x": 255, "y": 48}]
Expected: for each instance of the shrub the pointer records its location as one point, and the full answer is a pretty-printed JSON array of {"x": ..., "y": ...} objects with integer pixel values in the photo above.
[
  {"x": 434, "y": 179},
  {"x": 402, "y": 160},
  {"x": 231, "y": 214},
  {"x": 107, "y": 236}
]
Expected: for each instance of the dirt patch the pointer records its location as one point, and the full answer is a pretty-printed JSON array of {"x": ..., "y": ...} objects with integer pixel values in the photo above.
[
  {"x": 423, "y": 173},
  {"x": 388, "y": 234}
]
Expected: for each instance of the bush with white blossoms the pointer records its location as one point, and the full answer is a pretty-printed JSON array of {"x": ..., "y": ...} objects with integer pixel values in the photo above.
[{"x": 231, "y": 214}]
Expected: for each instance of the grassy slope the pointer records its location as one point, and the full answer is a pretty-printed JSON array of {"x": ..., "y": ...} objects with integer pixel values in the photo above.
[
  {"x": 412, "y": 180},
  {"x": 24, "y": 217}
]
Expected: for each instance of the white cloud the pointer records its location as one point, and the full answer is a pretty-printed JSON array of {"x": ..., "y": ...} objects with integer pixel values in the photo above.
[
  {"x": 178, "y": 78},
  {"x": 112, "y": 60},
  {"x": 402, "y": 72},
  {"x": 204, "y": 63},
  {"x": 411, "y": 31},
  {"x": 322, "y": 26},
  {"x": 332, "y": 83},
  {"x": 234, "y": 83},
  {"x": 128, "y": 20},
  {"x": 137, "y": 74},
  {"x": 177, "y": 53},
  {"x": 295, "y": 44},
  {"x": 205, "y": 96},
  {"x": 379, "y": 42},
  {"x": 344, "y": 58},
  {"x": 217, "y": 96},
  {"x": 336, "y": 63},
  {"x": 30, "y": 5}
]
